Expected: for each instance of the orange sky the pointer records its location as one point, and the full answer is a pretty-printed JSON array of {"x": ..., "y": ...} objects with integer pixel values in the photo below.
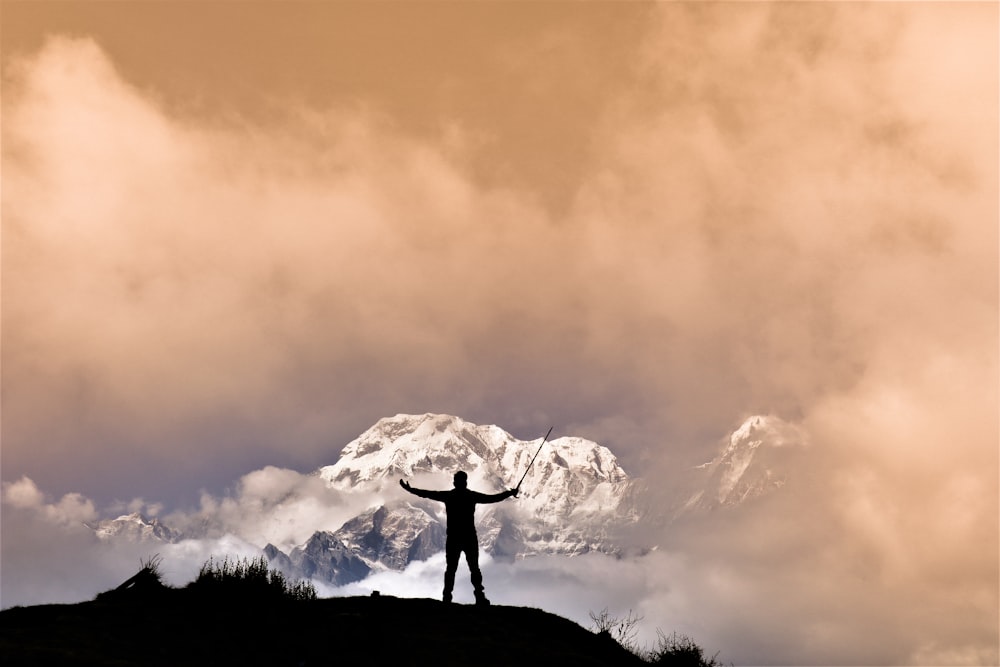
[{"x": 237, "y": 234}]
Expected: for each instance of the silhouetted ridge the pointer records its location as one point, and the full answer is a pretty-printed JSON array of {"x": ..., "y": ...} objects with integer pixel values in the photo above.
[{"x": 185, "y": 627}]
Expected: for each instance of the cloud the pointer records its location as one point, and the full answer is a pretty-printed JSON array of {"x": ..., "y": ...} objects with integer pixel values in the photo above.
[
  {"x": 48, "y": 554},
  {"x": 23, "y": 493},
  {"x": 767, "y": 217},
  {"x": 196, "y": 291},
  {"x": 272, "y": 505},
  {"x": 71, "y": 509},
  {"x": 831, "y": 259}
]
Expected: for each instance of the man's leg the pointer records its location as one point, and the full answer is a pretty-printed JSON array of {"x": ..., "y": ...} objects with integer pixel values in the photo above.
[
  {"x": 472, "y": 557},
  {"x": 451, "y": 556}
]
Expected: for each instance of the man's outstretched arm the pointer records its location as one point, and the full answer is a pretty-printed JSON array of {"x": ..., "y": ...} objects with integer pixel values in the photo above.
[
  {"x": 423, "y": 493},
  {"x": 494, "y": 497}
]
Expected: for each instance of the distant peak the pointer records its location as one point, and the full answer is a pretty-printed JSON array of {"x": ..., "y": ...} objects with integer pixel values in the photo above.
[
  {"x": 748, "y": 465},
  {"x": 768, "y": 430}
]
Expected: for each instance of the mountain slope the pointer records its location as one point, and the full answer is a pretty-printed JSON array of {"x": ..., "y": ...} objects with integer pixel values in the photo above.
[{"x": 180, "y": 627}]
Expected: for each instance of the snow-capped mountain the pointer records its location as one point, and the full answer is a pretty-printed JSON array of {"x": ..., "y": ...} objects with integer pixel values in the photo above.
[
  {"x": 570, "y": 477},
  {"x": 752, "y": 463},
  {"x": 573, "y": 499},
  {"x": 135, "y": 528}
]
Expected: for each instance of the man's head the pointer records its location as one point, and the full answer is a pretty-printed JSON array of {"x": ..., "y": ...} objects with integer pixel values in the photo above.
[{"x": 461, "y": 479}]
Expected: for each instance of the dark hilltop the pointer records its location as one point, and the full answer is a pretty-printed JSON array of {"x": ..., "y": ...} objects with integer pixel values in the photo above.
[
  {"x": 241, "y": 612},
  {"x": 181, "y": 627}
]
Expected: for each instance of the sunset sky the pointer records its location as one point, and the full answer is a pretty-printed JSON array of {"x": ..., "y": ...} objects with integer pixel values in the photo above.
[{"x": 236, "y": 234}]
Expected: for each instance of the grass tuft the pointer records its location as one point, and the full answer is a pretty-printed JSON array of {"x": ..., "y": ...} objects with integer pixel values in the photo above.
[{"x": 249, "y": 578}]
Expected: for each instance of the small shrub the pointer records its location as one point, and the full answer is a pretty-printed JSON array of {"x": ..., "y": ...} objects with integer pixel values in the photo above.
[
  {"x": 674, "y": 650},
  {"x": 151, "y": 567},
  {"x": 622, "y": 630},
  {"x": 679, "y": 651},
  {"x": 249, "y": 578}
]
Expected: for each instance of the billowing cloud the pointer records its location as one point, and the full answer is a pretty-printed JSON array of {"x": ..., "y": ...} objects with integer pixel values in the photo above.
[
  {"x": 71, "y": 509},
  {"x": 770, "y": 217},
  {"x": 272, "y": 505},
  {"x": 180, "y": 289}
]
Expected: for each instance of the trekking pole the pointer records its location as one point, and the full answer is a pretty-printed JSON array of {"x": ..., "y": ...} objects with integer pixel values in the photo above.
[{"x": 518, "y": 487}]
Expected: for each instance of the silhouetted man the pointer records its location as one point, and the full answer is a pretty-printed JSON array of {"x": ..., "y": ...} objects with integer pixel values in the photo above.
[{"x": 460, "y": 504}]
